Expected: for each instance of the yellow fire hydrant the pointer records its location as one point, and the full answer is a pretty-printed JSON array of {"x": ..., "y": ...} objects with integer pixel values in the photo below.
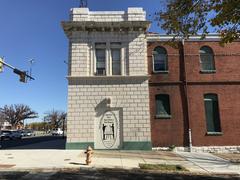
[{"x": 89, "y": 152}]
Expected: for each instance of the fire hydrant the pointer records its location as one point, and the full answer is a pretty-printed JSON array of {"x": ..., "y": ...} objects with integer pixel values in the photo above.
[{"x": 89, "y": 152}]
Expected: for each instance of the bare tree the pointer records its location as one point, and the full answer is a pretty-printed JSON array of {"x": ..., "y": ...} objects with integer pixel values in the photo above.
[
  {"x": 1, "y": 119},
  {"x": 190, "y": 17},
  {"x": 56, "y": 118},
  {"x": 17, "y": 113}
]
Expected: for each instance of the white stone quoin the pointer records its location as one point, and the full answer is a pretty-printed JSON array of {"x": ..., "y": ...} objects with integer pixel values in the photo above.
[{"x": 108, "y": 98}]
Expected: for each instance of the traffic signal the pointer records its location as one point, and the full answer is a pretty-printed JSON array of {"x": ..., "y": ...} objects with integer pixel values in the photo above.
[
  {"x": 22, "y": 75},
  {"x": 1, "y": 65}
]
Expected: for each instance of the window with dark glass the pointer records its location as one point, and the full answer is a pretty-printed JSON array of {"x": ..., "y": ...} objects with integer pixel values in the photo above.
[
  {"x": 116, "y": 58},
  {"x": 212, "y": 113},
  {"x": 207, "y": 59},
  {"x": 162, "y": 106},
  {"x": 100, "y": 58},
  {"x": 160, "y": 62}
]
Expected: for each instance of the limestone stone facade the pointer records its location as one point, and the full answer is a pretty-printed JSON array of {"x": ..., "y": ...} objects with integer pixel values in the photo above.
[{"x": 105, "y": 110}]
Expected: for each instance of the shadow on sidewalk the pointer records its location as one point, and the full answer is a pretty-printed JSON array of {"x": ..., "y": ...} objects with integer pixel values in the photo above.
[{"x": 109, "y": 174}]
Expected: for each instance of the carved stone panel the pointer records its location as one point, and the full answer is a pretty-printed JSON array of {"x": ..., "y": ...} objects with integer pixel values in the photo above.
[{"x": 107, "y": 130}]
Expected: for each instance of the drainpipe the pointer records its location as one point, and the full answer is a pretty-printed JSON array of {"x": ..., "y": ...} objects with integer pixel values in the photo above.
[
  {"x": 183, "y": 79},
  {"x": 190, "y": 139}
]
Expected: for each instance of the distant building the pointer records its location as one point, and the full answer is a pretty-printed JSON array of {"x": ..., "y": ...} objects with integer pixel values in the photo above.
[
  {"x": 127, "y": 89},
  {"x": 5, "y": 125}
]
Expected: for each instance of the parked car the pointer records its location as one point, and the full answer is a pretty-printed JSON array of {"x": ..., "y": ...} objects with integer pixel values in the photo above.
[
  {"x": 5, "y": 134},
  {"x": 10, "y": 134},
  {"x": 22, "y": 132},
  {"x": 16, "y": 135},
  {"x": 29, "y": 132},
  {"x": 57, "y": 132}
]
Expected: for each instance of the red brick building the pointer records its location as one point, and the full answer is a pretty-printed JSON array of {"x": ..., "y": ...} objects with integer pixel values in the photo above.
[{"x": 201, "y": 93}]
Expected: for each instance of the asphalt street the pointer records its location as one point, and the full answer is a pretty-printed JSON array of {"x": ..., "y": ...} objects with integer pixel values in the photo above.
[
  {"x": 58, "y": 142},
  {"x": 35, "y": 142}
]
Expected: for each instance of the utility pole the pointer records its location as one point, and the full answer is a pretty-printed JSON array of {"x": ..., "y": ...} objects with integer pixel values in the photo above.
[
  {"x": 22, "y": 74},
  {"x": 64, "y": 126},
  {"x": 31, "y": 61}
]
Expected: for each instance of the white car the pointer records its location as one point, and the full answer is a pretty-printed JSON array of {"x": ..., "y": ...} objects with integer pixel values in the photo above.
[
  {"x": 29, "y": 132},
  {"x": 57, "y": 132}
]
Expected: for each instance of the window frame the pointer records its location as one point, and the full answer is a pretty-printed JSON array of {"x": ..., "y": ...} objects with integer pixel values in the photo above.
[
  {"x": 217, "y": 127},
  {"x": 164, "y": 116},
  {"x": 115, "y": 46},
  {"x": 213, "y": 70},
  {"x": 166, "y": 60},
  {"x": 100, "y": 46},
  {"x": 108, "y": 47}
]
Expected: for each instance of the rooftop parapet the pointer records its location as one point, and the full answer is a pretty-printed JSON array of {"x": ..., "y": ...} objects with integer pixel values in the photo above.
[{"x": 83, "y": 14}]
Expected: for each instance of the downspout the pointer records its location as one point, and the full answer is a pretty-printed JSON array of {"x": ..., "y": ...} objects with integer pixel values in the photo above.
[{"x": 183, "y": 79}]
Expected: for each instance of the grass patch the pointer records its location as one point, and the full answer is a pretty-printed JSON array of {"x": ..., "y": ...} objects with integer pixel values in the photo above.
[{"x": 162, "y": 167}]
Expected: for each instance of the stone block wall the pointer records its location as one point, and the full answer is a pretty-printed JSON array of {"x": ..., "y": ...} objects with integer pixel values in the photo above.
[
  {"x": 130, "y": 94},
  {"x": 82, "y": 51}
]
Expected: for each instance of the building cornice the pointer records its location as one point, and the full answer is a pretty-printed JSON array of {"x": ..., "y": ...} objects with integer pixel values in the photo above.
[
  {"x": 70, "y": 26},
  {"x": 165, "y": 37}
]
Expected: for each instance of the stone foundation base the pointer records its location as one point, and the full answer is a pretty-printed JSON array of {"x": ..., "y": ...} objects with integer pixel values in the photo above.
[
  {"x": 131, "y": 145},
  {"x": 210, "y": 149},
  {"x": 217, "y": 149}
]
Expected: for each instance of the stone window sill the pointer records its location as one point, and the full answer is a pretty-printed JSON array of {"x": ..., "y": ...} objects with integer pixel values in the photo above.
[
  {"x": 214, "y": 133},
  {"x": 163, "y": 117},
  {"x": 109, "y": 77},
  {"x": 160, "y": 72},
  {"x": 207, "y": 71}
]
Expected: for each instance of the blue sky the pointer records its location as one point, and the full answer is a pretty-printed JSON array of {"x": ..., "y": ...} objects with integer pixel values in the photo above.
[{"x": 30, "y": 29}]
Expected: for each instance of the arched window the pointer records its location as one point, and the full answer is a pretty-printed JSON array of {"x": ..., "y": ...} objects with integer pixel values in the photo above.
[
  {"x": 207, "y": 59},
  {"x": 212, "y": 113},
  {"x": 160, "y": 59}
]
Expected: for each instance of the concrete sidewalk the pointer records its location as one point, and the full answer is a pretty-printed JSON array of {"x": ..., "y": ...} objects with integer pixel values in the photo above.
[
  {"x": 210, "y": 163},
  {"x": 44, "y": 159},
  {"x": 59, "y": 159}
]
